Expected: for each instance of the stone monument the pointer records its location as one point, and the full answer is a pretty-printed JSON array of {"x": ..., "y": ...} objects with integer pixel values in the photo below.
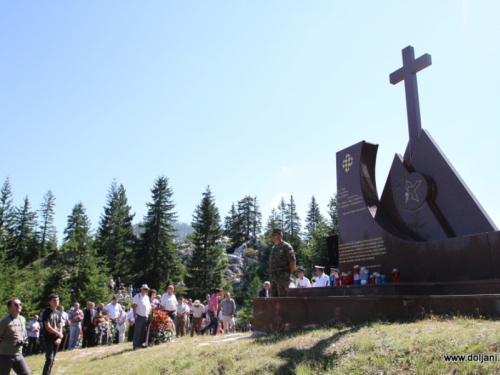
[{"x": 426, "y": 223}]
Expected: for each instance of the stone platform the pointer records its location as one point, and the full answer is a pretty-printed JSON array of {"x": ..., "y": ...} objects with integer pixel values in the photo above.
[{"x": 388, "y": 302}]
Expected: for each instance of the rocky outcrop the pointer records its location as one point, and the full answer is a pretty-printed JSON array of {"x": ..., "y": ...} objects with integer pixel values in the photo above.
[{"x": 243, "y": 258}]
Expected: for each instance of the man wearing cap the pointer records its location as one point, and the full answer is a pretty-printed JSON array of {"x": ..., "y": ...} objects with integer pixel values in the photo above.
[
  {"x": 198, "y": 310},
  {"x": 141, "y": 306},
  {"x": 302, "y": 280},
  {"x": 321, "y": 278},
  {"x": 281, "y": 264}
]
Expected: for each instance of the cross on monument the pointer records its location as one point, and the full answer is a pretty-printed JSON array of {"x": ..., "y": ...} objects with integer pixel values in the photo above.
[{"x": 408, "y": 73}]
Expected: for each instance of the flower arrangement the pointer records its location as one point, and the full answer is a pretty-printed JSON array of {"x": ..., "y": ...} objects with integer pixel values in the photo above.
[
  {"x": 104, "y": 328},
  {"x": 161, "y": 327}
]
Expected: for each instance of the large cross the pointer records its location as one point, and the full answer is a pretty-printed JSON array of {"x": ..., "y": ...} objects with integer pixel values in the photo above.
[{"x": 408, "y": 73}]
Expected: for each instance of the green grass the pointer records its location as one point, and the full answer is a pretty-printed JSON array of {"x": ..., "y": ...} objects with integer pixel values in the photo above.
[{"x": 375, "y": 348}]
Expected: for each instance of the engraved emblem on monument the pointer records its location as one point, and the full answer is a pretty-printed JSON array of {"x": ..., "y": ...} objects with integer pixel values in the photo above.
[
  {"x": 347, "y": 162},
  {"x": 411, "y": 190}
]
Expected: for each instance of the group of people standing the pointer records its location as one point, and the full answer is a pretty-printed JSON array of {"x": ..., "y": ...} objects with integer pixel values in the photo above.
[{"x": 217, "y": 315}]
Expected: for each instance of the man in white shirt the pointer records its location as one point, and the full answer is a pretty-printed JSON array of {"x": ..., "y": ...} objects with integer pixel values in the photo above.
[
  {"x": 169, "y": 302},
  {"x": 302, "y": 280},
  {"x": 321, "y": 278},
  {"x": 198, "y": 311},
  {"x": 66, "y": 328},
  {"x": 33, "y": 329},
  {"x": 115, "y": 311},
  {"x": 182, "y": 315},
  {"x": 141, "y": 306}
]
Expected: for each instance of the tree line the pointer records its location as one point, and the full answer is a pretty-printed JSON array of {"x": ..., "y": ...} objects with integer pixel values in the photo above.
[{"x": 33, "y": 265}]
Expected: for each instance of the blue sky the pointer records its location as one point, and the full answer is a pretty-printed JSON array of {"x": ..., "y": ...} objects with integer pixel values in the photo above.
[{"x": 251, "y": 98}]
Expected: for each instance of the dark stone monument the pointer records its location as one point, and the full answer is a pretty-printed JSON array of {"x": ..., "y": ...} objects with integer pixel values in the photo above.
[{"x": 427, "y": 223}]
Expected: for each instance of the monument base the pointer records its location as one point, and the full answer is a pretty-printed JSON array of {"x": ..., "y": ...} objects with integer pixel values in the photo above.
[{"x": 305, "y": 308}]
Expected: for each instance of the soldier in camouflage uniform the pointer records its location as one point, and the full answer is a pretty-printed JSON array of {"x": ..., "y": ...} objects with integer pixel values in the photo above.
[{"x": 281, "y": 264}]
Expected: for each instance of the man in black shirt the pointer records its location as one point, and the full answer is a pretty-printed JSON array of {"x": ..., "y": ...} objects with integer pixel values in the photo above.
[{"x": 53, "y": 332}]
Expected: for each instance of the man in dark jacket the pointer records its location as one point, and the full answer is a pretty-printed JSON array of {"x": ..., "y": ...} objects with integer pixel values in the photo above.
[
  {"x": 264, "y": 292},
  {"x": 88, "y": 325}
]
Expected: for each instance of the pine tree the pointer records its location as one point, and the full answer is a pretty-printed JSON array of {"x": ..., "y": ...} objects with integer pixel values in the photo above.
[
  {"x": 230, "y": 221},
  {"x": 115, "y": 235},
  {"x": 313, "y": 219},
  {"x": 292, "y": 227},
  {"x": 158, "y": 263},
  {"x": 24, "y": 239},
  {"x": 78, "y": 238},
  {"x": 245, "y": 213},
  {"x": 233, "y": 227},
  {"x": 245, "y": 315},
  {"x": 333, "y": 215},
  {"x": 6, "y": 207},
  {"x": 282, "y": 210},
  {"x": 6, "y": 215},
  {"x": 88, "y": 281},
  {"x": 48, "y": 232},
  {"x": 206, "y": 265},
  {"x": 256, "y": 218},
  {"x": 8, "y": 273}
]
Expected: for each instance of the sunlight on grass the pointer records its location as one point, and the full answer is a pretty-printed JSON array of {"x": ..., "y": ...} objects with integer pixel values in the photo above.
[{"x": 375, "y": 348}]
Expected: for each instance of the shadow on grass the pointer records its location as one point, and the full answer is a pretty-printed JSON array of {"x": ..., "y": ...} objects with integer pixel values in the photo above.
[
  {"x": 275, "y": 338},
  {"x": 315, "y": 354},
  {"x": 112, "y": 355}
]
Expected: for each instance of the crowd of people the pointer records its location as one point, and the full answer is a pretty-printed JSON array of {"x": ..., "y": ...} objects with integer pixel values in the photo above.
[{"x": 54, "y": 329}]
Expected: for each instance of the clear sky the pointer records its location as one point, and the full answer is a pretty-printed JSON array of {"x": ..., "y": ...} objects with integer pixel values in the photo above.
[{"x": 249, "y": 97}]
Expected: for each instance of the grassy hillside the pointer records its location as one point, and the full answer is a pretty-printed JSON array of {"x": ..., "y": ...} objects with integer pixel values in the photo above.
[{"x": 378, "y": 348}]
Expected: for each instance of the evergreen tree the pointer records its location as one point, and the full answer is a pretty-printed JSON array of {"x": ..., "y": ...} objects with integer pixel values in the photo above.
[
  {"x": 230, "y": 221},
  {"x": 318, "y": 249},
  {"x": 245, "y": 315},
  {"x": 115, "y": 235},
  {"x": 292, "y": 227},
  {"x": 313, "y": 219},
  {"x": 158, "y": 263},
  {"x": 245, "y": 213},
  {"x": 56, "y": 282},
  {"x": 8, "y": 276},
  {"x": 24, "y": 239},
  {"x": 333, "y": 215},
  {"x": 282, "y": 210},
  {"x": 88, "y": 282},
  {"x": 256, "y": 218},
  {"x": 233, "y": 227},
  {"x": 6, "y": 215},
  {"x": 206, "y": 265},
  {"x": 48, "y": 232},
  {"x": 6, "y": 207},
  {"x": 78, "y": 238}
]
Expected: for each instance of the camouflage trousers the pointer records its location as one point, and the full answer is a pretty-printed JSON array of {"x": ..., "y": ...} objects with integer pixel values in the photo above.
[{"x": 279, "y": 282}]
